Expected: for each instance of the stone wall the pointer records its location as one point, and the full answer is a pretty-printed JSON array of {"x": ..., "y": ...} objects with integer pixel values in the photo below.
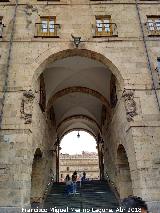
[
  {"x": 81, "y": 163},
  {"x": 124, "y": 55}
]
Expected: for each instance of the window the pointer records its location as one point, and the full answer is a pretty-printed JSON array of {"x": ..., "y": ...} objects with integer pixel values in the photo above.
[
  {"x": 67, "y": 169},
  {"x": 153, "y": 25},
  {"x": 103, "y": 25},
  {"x": 47, "y": 27}
]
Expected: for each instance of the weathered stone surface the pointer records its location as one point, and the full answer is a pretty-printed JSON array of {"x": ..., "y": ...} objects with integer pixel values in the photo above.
[{"x": 138, "y": 166}]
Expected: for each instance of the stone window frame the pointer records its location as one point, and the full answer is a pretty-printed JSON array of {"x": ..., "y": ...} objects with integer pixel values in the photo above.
[
  {"x": 103, "y": 28},
  {"x": 51, "y": 27},
  {"x": 112, "y": 32}
]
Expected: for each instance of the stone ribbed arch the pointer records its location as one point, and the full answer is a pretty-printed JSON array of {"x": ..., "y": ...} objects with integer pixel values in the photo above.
[
  {"x": 51, "y": 54},
  {"x": 83, "y": 117},
  {"x": 79, "y": 89}
]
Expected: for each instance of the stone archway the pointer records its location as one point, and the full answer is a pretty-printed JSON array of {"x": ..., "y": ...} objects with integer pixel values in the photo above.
[
  {"x": 123, "y": 173},
  {"x": 51, "y": 56},
  {"x": 37, "y": 177},
  {"x": 71, "y": 87}
]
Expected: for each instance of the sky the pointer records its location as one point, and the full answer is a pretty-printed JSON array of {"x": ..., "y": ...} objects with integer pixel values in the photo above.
[{"x": 71, "y": 144}]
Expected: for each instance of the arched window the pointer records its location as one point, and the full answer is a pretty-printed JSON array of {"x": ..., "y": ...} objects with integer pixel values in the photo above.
[{"x": 67, "y": 169}]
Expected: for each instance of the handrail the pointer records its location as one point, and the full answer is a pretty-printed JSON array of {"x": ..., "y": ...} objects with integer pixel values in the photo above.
[
  {"x": 47, "y": 190},
  {"x": 113, "y": 187},
  {"x": 106, "y": 29}
]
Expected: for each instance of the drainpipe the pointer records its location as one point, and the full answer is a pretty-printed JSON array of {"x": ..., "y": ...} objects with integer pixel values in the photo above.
[
  {"x": 147, "y": 55},
  {"x": 5, "y": 86}
]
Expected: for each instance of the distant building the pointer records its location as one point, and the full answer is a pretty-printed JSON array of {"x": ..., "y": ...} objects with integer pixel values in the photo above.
[{"x": 86, "y": 161}]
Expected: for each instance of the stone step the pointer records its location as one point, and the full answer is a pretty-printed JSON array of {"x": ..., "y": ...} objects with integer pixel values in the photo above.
[{"x": 92, "y": 195}]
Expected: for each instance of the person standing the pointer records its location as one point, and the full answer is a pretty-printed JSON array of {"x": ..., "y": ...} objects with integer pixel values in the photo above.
[
  {"x": 68, "y": 185},
  {"x": 74, "y": 180},
  {"x": 84, "y": 176}
]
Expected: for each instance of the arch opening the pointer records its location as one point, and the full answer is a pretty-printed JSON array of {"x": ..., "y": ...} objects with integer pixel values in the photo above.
[
  {"x": 78, "y": 91},
  {"x": 79, "y": 153},
  {"x": 123, "y": 173},
  {"x": 37, "y": 178}
]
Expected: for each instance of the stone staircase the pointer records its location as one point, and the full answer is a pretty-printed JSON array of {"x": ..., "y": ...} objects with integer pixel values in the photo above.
[{"x": 91, "y": 197}]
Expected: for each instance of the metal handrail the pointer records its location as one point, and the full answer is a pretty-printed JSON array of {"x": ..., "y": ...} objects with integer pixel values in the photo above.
[
  {"x": 51, "y": 30},
  {"x": 112, "y": 29},
  {"x": 113, "y": 187}
]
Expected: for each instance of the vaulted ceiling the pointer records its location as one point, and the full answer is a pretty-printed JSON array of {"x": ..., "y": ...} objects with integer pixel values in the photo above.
[{"x": 77, "y": 88}]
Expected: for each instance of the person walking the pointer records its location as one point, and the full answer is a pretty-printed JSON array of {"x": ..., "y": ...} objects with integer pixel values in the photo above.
[
  {"x": 74, "y": 180},
  {"x": 68, "y": 185}
]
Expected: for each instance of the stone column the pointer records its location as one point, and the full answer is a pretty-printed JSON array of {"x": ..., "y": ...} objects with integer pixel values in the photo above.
[{"x": 144, "y": 125}]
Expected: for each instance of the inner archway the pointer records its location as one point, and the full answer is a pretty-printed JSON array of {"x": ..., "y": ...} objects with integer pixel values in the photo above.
[
  {"x": 79, "y": 92},
  {"x": 37, "y": 177},
  {"x": 79, "y": 153},
  {"x": 123, "y": 173}
]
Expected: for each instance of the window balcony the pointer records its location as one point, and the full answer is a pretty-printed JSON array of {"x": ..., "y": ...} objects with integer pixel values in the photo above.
[
  {"x": 105, "y": 30},
  {"x": 153, "y": 28},
  {"x": 47, "y": 30}
]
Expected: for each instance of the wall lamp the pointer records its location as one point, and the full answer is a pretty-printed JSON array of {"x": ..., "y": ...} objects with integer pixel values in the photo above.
[
  {"x": 78, "y": 135},
  {"x": 76, "y": 40}
]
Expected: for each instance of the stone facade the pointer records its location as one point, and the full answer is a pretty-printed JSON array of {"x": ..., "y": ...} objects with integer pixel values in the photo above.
[
  {"x": 131, "y": 131},
  {"x": 85, "y": 162}
]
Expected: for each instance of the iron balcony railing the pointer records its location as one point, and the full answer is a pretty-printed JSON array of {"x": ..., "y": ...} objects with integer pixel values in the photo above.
[
  {"x": 106, "y": 30},
  {"x": 1, "y": 30},
  {"x": 153, "y": 28},
  {"x": 49, "y": 30}
]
